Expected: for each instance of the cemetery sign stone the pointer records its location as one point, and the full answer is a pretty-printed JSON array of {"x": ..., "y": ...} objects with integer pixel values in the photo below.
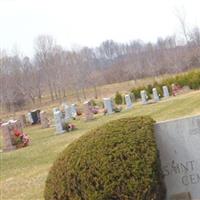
[{"x": 178, "y": 143}]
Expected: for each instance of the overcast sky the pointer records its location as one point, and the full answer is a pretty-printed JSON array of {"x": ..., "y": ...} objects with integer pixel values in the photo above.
[{"x": 89, "y": 22}]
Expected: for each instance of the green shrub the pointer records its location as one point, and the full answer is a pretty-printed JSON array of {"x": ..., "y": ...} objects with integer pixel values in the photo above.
[
  {"x": 149, "y": 94},
  {"x": 118, "y": 161},
  {"x": 93, "y": 102},
  {"x": 123, "y": 100},
  {"x": 149, "y": 88},
  {"x": 132, "y": 95},
  {"x": 118, "y": 98},
  {"x": 194, "y": 80},
  {"x": 136, "y": 91}
]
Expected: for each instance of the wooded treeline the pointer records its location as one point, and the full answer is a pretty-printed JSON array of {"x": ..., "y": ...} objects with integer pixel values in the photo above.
[{"x": 55, "y": 71}]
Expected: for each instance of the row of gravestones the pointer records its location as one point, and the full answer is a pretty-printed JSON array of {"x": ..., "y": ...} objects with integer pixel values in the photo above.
[
  {"x": 108, "y": 103},
  {"x": 144, "y": 97},
  {"x": 37, "y": 116},
  {"x": 70, "y": 111}
]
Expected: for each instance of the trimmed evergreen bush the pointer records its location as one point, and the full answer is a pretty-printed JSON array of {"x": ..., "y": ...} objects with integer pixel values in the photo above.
[
  {"x": 118, "y": 161},
  {"x": 118, "y": 98},
  {"x": 136, "y": 92}
]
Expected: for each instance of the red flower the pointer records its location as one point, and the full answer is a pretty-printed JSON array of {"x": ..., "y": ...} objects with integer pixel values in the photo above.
[{"x": 17, "y": 133}]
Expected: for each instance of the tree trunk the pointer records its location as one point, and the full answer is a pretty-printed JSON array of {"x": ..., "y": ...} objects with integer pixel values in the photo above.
[
  {"x": 51, "y": 91},
  {"x": 55, "y": 91},
  {"x": 64, "y": 93},
  {"x": 77, "y": 96},
  {"x": 84, "y": 95}
]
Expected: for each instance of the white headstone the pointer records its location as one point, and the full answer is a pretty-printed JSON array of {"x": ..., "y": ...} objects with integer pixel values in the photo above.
[
  {"x": 143, "y": 95},
  {"x": 68, "y": 114},
  {"x": 108, "y": 105},
  {"x": 178, "y": 142},
  {"x": 73, "y": 110},
  {"x": 58, "y": 121},
  {"x": 128, "y": 101},
  {"x": 29, "y": 117},
  {"x": 165, "y": 91},
  {"x": 155, "y": 94}
]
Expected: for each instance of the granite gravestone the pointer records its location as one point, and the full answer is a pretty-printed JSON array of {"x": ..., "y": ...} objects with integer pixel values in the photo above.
[
  {"x": 58, "y": 121},
  {"x": 22, "y": 119},
  {"x": 155, "y": 95},
  {"x": 88, "y": 111},
  {"x": 128, "y": 101},
  {"x": 7, "y": 130},
  {"x": 178, "y": 143},
  {"x": 165, "y": 91},
  {"x": 29, "y": 117},
  {"x": 108, "y": 105},
  {"x": 68, "y": 114},
  {"x": 44, "y": 119},
  {"x": 73, "y": 110},
  {"x": 143, "y": 95}
]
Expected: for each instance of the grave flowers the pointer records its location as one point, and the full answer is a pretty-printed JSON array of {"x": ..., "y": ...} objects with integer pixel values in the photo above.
[
  {"x": 68, "y": 127},
  {"x": 20, "y": 139}
]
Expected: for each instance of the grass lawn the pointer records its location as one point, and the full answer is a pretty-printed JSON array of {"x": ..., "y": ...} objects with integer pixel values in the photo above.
[{"x": 23, "y": 172}]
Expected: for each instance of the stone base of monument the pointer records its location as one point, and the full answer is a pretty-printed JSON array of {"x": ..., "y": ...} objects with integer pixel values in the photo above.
[
  {"x": 181, "y": 196},
  {"x": 9, "y": 148},
  {"x": 178, "y": 142}
]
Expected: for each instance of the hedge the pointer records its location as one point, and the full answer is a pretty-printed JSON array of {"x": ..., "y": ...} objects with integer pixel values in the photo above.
[
  {"x": 118, "y": 98},
  {"x": 118, "y": 161}
]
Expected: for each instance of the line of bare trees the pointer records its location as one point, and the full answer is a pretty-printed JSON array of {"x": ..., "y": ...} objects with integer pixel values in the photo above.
[{"x": 55, "y": 71}]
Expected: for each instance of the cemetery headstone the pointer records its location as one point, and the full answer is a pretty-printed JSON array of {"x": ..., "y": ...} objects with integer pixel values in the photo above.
[
  {"x": 128, "y": 101},
  {"x": 44, "y": 119},
  {"x": 58, "y": 121},
  {"x": 88, "y": 111},
  {"x": 35, "y": 114},
  {"x": 22, "y": 119},
  {"x": 108, "y": 105},
  {"x": 73, "y": 110},
  {"x": 165, "y": 91},
  {"x": 143, "y": 95},
  {"x": 29, "y": 117},
  {"x": 7, "y": 130},
  {"x": 155, "y": 95},
  {"x": 178, "y": 142},
  {"x": 68, "y": 114}
]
